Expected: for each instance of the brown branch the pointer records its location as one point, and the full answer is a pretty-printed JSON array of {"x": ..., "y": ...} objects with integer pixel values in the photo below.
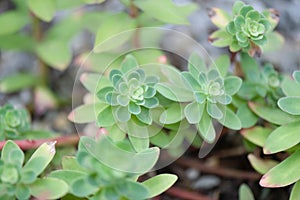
[
  {"x": 185, "y": 194},
  {"x": 224, "y": 172},
  {"x": 33, "y": 144}
]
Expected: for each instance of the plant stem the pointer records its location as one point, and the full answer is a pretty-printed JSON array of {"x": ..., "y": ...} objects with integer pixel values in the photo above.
[
  {"x": 224, "y": 172},
  {"x": 38, "y": 36},
  {"x": 185, "y": 194},
  {"x": 33, "y": 144}
]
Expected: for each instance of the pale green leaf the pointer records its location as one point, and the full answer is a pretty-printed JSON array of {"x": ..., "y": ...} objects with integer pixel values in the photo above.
[
  {"x": 11, "y": 153},
  {"x": 119, "y": 158},
  {"x": 55, "y": 53},
  {"x": 86, "y": 113},
  {"x": 261, "y": 165},
  {"x": 174, "y": 93},
  {"x": 40, "y": 158},
  {"x": 166, "y": 11},
  {"x": 283, "y": 174},
  {"x": 290, "y": 105},
  {"x": 44, "y": 10},
  {"x": 273, "y": 115},
  {"x": 193, "y": 112},
  {"x": 219, "y": 17},
  {"x": 172, "y": 114},
  {"x": 290, "y": 87},
  {"x": 295, "y": 194},
  {"x": 257, "y": 135},
  {"x": 17, "y": 82},
  {"x": 49, "y": 188},
  {"x": 222, "y": 63},
  {"x": 245, "y": 193},
  {"x": 230, "y": 119},
  {"x": 283, "y": 138},
  {"x": 111, "y": 33},
  {"x": 232, "y": 84},
  {"x": 159, "y": 184},
  {"x": 12, "y": 21},
  {"x": 206, "y": 128}
]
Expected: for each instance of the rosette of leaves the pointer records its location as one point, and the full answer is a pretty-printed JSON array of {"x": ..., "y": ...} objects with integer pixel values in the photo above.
[
  {"x": 13, "y": 122},
  {"x": 246, "y": 29},
  {"x": 97, "y": 172},
  {"x": 210, "y": 93},
  {"x": 22, "y": 182},
  {"x": 131, "y": 93},
  {"x": 261, "y": 84}
]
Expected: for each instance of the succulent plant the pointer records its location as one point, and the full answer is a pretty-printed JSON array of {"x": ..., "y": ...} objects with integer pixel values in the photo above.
[
  {"x": 260, "y": 82},
  {"x": 246, "y": 29},
  {"x": 13, "y": 122},
  {"x": 22, "y": 182},
  {"x": 131, "y": 93},
  {"x": 89, "y": 177}
]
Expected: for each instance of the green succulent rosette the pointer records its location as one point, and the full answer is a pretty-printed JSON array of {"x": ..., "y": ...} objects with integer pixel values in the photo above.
[
  {"x": 131, "y": 92},
  {"x": 248, "y": 27},
  {"x": 245, "y": 29},
  {"x": 13, "y": 122}
]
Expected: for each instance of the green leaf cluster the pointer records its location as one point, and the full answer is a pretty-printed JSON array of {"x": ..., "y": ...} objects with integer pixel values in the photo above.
[
  {"x": 18, "y": 181},
  {"x": 90, "y": 176},
  {"x": 245, "y": 30},
  {"x": 13, "y": 122}
]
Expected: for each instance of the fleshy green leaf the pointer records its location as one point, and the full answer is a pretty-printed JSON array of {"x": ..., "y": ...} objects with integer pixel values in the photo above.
[
  {"x": 112, "y": 27},
  {"x": 12, "y": 153},
  {"x": 17, "y": 82},
  {"x": 196, "y": 64},
  {"x": 172, "y": 114},
  {"x": 214, "y": 111},
  {"x": 232, "y": 84},
  {"x": 145, "y": 116},
  {"x": 166, "y": 11},
  {"x": 290, "y": 87},
  {"x": 55, "y": 53},
  {"x": 119, "y": 158},
  {"x": 193, "y": 112},
  {"x": 219, "y": 17},
  {"x": 282, "y": 138},
  {"x": 296, "y": 76},
  {"x": 247, "y": 117},
  {"x": 132, "y": 190},
  {"x": 222, "y": 63},
  {"x": 44, "y": 10},
  {"x": 82, "y": 188},
  {"x": 159, "y": 184},
  {"x": 139, "y": 143},
  {"x": 283, "y": 174},
  {"x": 86, "y": 113},
  {"x": 290, "y": 105},
  {"x": 230, "y": 119},
  {"x": 49, "y": 188},
  {"x": 257, "y": 135},
  {"x": 128, "y": 64},
  {"x": 40, "y": 158},
  {"x": 93, "y": 82},
  {"x": 106, "y": 118},
  {"x": 206, "y": 128},
  {"x": 295, "y": 194},
  {"x": 273, "y": 115},
  {"x": 12, "y": 21},
  {"x": 261, "y": 165},
  {"x": 174, "y": 93},
  {"x": 68, "y": 176},
  {"x": 245, "y": 193},
  {"x": 122, "y": 114}
]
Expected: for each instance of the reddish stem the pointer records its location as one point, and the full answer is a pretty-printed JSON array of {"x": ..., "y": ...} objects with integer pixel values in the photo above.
[
  {"x": 33, "y": 144},
  {"x": 224, "y": 172},
  {"x": 185, "y": 194}
]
